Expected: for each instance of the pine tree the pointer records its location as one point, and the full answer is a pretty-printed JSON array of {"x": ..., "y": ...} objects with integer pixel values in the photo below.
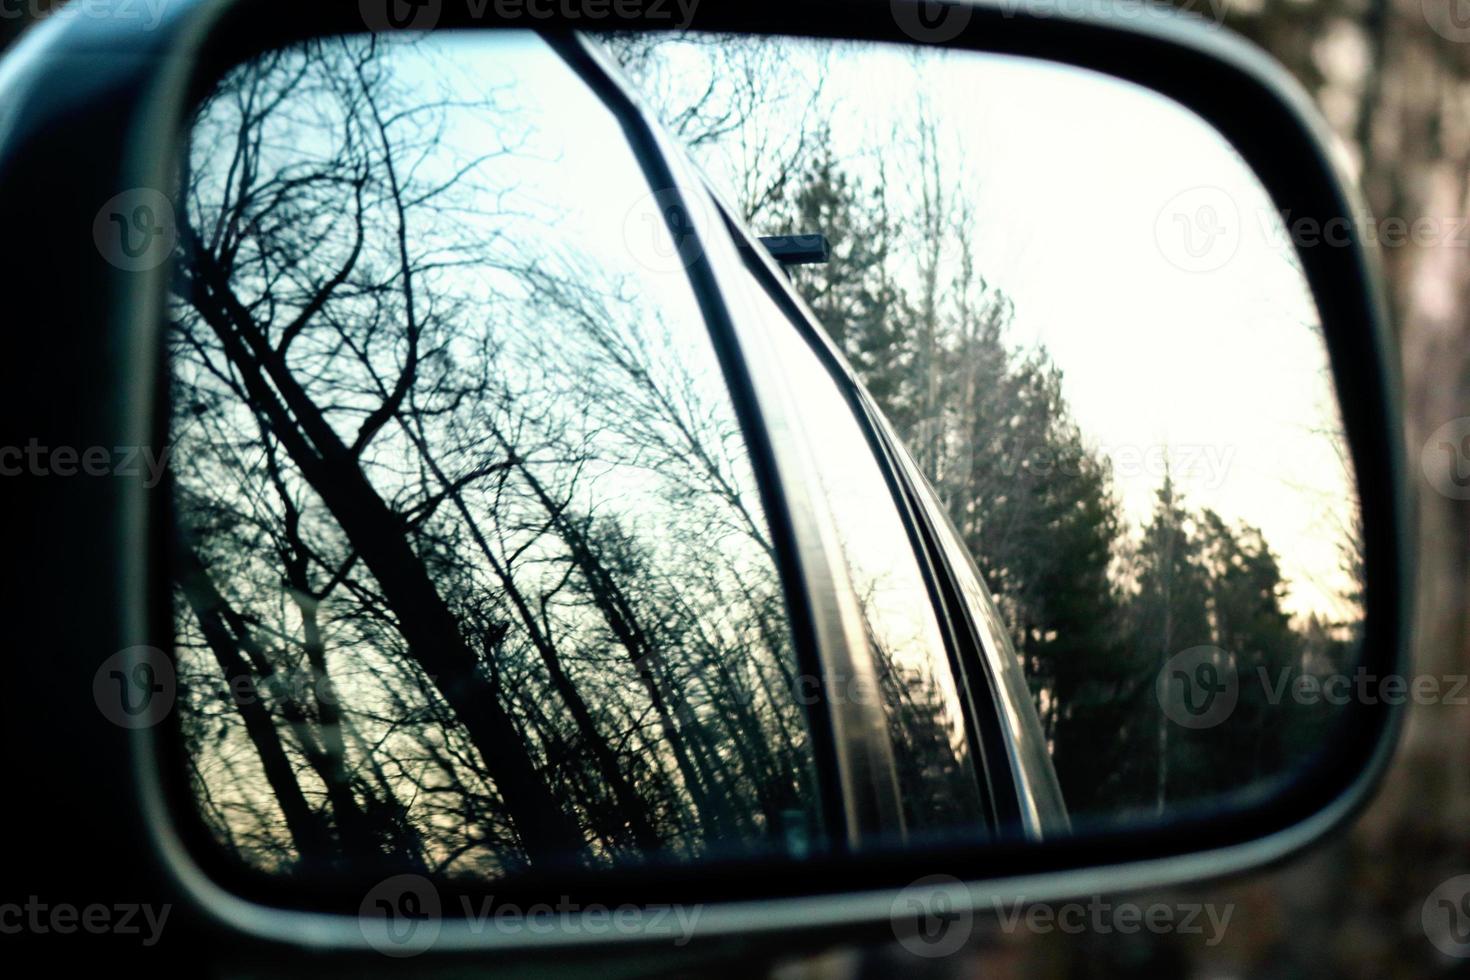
[
  {"x": 1250, "y": 624},
  {"x": 1170, "y": 614},
  {"x": 854, "y": 295}
]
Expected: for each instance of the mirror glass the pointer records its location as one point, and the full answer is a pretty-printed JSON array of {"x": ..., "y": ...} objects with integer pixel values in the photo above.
[{"x": 472, "y": 570}]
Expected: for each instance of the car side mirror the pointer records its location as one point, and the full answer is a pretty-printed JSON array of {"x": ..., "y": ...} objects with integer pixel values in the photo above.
[{"x": 796, "y": 469}]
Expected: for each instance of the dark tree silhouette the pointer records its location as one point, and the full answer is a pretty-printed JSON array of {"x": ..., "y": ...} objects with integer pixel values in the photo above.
[{"x": 477, "y": 485}]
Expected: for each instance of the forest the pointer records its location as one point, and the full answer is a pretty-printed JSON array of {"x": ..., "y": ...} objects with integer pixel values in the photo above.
[
  {"x": 1096, "y": 608},
  {"x": 471, "y": 570},
  {"x": 462, "y": 508}
]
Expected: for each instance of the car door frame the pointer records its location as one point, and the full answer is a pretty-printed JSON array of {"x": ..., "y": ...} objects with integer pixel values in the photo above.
[{"x": 1006, "y": 793}]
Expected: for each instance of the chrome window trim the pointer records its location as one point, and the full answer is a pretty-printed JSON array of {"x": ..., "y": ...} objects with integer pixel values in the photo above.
[{"x": 891, "y": 458}]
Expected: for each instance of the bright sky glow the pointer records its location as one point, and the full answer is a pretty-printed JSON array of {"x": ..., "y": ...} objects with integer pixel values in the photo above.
[{"x": 1143, "y": 254}]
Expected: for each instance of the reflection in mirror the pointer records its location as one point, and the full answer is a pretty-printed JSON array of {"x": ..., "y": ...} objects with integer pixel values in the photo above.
[
  {"x": 472, "y": 574},
  {"x": 937, "y": 782},
  {"x": 1086, "y": 321},
  {"x": 471, "y": 571}
]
